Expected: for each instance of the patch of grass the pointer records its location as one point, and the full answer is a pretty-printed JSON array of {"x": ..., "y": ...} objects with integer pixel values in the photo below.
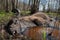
[
  {"x": 53, "y": 14},
  {"x": 25, "y": 13},
  {"x": 4, "y": 17},
  {"x": 44, "y": 35}
]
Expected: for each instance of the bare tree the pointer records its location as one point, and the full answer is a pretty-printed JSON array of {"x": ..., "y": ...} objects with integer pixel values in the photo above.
[
  {"x": 43, "y": 8},
  {"x": 29, "y": 3},
  {"x": 13, "y": 4},
  {"x": 23, "y": 5},
  {"x": 59, "y": 7},
  {"x": 48, "y": 7},
  {"x": 7, "y": 6},
  {"x": 35, "y": 6},
  {"x": 2, "y": 4},
  {"x": 16, "y": 3}
]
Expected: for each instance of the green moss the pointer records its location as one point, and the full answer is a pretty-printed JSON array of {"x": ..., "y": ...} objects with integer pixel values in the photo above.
[
  {"x": 4, "y": 17},
  {"x": 25, "y": 12},
  {"x": 44, "y": 35},
  {"x": 53, "y": 14}
]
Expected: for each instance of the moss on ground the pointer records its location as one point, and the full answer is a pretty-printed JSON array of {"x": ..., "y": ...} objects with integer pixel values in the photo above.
[
  {"x": 24, "y": 13},
  {"x": 53, "y": 14},
  {"x": 4, "y": 17}
]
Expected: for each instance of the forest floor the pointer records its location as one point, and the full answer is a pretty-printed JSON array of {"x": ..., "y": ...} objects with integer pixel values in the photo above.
[{"x": 5, "y": 17}]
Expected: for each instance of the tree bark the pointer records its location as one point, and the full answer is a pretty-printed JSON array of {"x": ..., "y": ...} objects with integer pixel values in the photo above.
[
  {"x": 16, "y": 3},
  {"x": 7, "y": 6},
  {"x": 59, "y": 7},
  {"x": 13, "y": 4},
  {"x": 35, "y": 6}
]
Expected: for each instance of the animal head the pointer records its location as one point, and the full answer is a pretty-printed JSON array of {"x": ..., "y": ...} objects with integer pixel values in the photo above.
[{"x": 15, "y": 26}]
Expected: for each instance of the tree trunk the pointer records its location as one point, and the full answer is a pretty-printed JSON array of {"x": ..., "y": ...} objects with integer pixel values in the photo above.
[
  {"x": 43, "y": 8},
  {"x": 16, "y": 3},
  {"x": 59, "y": 7},
  {"x": 13, "y": 4},
  {"x": 35, "y": 6},
  {"x": 7, "y": 6}
]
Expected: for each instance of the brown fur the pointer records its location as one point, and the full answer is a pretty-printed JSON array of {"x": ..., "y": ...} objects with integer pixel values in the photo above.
[
  {"x": 36, "y": 32},
  {"x": 39, "y": 16},
  {"x": 57, "y": 24}
]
